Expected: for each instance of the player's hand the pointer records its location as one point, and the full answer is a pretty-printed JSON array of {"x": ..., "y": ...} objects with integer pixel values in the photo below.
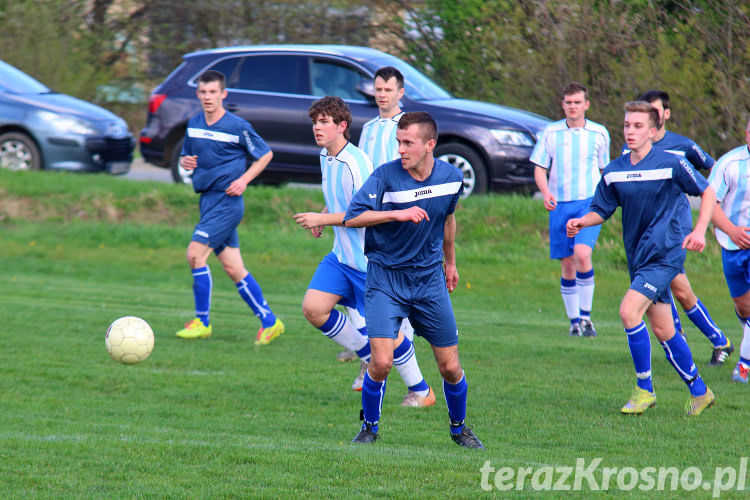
[
  {"x": 695, "y": 242},
  {"x": 189, "y": 162},
  {"x": 573, "y": 227},
  {"x": 309, "y": 220},
  {"x": 316, "y": 231},
  {"x": 451, "y": 277},
  {"x": 236, "y": 188},
  {"x": 550, "y": 203},
  {"x": 740, "y": 237},
  {"x": 413, "y": 214}
]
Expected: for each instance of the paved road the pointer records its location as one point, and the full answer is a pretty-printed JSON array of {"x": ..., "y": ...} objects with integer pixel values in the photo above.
[{"x": 142, "y": 171}]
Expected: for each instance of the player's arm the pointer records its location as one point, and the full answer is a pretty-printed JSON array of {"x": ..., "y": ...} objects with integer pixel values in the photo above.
[
  {"x": 310, "y": 220},
  {"x": 449, "y": 252},
  {"x": 696, "y": 240},
  {"x": 238, "y": 186},
  {"x": 368, "y": 218},
  {"x": 574, "y": 226},
  {"x": 540, "y": 177},
  {"x": 738, "y": 234}
]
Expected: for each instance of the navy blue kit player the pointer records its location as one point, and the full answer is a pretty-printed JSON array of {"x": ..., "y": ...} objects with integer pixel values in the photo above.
[
  {"x": 682, "y": 291},
  {"x": 648, "y": 184},
  {"x": 407, "y": 207},
  {"x": 215, "y": 149}
]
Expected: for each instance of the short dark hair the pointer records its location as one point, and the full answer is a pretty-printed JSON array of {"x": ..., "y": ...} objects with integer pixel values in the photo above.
[
  {"x": 574, "y": 88},
  {"x": 336, "y": 108},
  {"x": 643, "y": 107},
  {"x": 425, "y": 122},
  {"x": 653, "y": 95},
  {"x": 388, "y": 72},
  {"x": 213, "y": 76}
]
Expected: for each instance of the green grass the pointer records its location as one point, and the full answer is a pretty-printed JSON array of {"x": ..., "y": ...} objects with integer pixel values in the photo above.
[{"x": 224, "y": 418}]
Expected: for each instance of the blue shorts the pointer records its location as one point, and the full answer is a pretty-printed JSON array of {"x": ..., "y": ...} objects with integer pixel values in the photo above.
[
  {"x": 332, "y": 276},
  {"x": 220, "y": 216},
  {"x": 653, "y": 281},
  {"x": 736, "y": 271},
  {"x": 419, "y": 294},
  {"x": 560, "y": 246}
]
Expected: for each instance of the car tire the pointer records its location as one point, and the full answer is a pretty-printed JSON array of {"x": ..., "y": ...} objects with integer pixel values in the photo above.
[
  {"x": 467, "y": 160},
  {"x": 18, "y": 151},
  {"x": 179, "y": 174}
]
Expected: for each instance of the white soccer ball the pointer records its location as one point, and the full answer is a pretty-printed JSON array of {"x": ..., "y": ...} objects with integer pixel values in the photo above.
[{"x": 129, "y": 340}]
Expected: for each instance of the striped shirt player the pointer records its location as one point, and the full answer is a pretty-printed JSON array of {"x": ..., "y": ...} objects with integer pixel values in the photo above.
[
  {"x": 683, "y": 147},
  {"x": 378, "y": 139},
  {"x": 730, "y": 178},
  {"x": 573, "y": 158}
]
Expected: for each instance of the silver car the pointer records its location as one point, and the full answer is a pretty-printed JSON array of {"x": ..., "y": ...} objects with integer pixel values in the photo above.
[{"x": 41, "y": 129}]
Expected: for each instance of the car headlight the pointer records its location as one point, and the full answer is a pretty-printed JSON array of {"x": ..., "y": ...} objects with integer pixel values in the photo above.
[
  {"x": 67, "y": 124},
  {"x": 512, "y": 137}
]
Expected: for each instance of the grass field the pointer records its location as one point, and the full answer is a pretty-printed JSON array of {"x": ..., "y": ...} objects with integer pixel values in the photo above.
[{"x": 223, "y": 418}]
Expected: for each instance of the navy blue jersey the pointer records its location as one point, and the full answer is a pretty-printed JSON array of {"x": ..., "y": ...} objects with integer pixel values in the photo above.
[
  {"x": 222, "y": 150},
  {"x": 649, "y": 194},
  {"x": 405, "y": 244},
  {"x": 681, "y": 146}
]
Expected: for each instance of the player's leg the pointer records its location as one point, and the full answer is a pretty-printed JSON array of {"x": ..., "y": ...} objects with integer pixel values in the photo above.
[
  {"x": 700, "y": 317},
  {"x": 737, "y": 273},
  {"x": 200, "y": 326},
  {"x": 562, "y": 247},
  {"x": 250, "y": 291},
  {"x": 585, "y": 287},
  {"x": 405, "y": 361},
  {"x": 569, "y": 293},
  {"x": 632, "y": 308},
  {"x": 319, "y": 309},
  {"x": 679, "y": 356}
]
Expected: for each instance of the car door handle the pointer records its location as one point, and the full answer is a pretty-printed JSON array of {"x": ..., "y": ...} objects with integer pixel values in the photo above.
[{"x": 232, "y": 107}]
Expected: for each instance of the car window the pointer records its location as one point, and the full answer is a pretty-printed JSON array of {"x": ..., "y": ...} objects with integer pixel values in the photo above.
[
  {"x": 272, "y": 73},
  {"x": 330, "y": 78},
  {"x": 16, "y": 81},
  {"x": 226, "y": 67}
]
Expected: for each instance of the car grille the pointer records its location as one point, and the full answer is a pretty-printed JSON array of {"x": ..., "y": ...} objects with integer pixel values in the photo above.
[{"x": 111, "y": 149}]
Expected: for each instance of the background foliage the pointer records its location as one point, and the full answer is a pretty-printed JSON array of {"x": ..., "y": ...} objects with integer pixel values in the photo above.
[{"x": 509, "y": 52}]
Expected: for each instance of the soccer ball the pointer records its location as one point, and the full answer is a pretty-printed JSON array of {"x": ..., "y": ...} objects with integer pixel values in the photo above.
[{"x": 129, "y": 340}]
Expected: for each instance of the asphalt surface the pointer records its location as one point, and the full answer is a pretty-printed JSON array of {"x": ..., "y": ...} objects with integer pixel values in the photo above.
[{"x": 142, "y": 171}]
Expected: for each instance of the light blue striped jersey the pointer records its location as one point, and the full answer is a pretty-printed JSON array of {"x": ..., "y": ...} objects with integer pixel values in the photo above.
[
  {"x": 730, "y": 178},
  {"x": 343, "y": 175},
  {"x": 574, "y": 158},
  {"x": 378, "y": 139}
]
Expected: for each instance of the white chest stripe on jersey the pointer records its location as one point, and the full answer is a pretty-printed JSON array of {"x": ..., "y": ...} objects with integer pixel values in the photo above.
[
  {"x": 449, "y": 188},
  {"x": 201, "y": 133},
  {"x": 638, "y": 175}
]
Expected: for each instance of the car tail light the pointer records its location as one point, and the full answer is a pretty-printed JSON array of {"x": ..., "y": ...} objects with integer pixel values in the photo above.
[{"x": 155, "y": 101}]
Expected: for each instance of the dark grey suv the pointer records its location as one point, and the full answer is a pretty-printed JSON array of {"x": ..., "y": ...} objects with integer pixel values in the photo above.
[{"x": 272, "y": 86}]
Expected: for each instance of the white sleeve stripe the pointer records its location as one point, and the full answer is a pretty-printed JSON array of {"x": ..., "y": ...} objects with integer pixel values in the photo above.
[
  {"x": 201, "y": 133},
  {"x": 449, "y": 188},
  {"x": 638, "y": 175}
]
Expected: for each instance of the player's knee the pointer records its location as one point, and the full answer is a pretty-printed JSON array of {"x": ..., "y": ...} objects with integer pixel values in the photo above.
[
  {"x": 628, "y": 316},
  {"x": 450, "y": 370},
  {"x": 313, "y": 313},
  {"x": 380, "y": 368}
]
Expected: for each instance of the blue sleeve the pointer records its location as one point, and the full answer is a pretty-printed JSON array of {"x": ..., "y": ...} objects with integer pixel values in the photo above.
[
  {"x": 605, "y": 200},
  {"x": 454, "y": 201},
  {"x": 699, "y": 158},
  {"x": 688, "y": 179},
  {"x": 369, "y": 197},
  {"x": 252, "y": 142}
]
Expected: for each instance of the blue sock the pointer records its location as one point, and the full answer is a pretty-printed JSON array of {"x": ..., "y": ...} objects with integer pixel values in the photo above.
[
  {"x": 455, "y": 398},
  {"x": 333, "y": 324},
  {"x": 676, "y": 318},
  {"x": 372, "y": 400},
  {"x": 250, "y": 291},
  {"x": 202, "y": 293},
  {"x": 700, "y": 317},
  {"x": 679, "y": 355},
  {"x": 402, "y": 354},
  {"x": 640, "y": 350}
]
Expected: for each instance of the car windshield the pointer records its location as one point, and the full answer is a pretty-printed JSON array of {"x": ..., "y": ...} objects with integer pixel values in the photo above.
[
  {"x": 418, "y": 86},
  {"x": 18, "y": 82}
]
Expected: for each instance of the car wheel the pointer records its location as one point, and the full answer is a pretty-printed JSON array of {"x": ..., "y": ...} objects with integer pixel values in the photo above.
[
  {"x": 179, "y": 174},
  {"x": 467, "y": 160},
  {"x": 18, "y": 151}
]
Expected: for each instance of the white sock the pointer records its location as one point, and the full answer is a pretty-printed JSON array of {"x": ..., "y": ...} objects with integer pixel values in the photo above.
[
  {"x": 745, "y": 345},
  {"x": 342, "y": 331},
  {"x": 405, "y": 361},
  {"x": 585, "y": 292},
  {"x": 407, "y": 329},
  {"x": 569, "y": 293}
]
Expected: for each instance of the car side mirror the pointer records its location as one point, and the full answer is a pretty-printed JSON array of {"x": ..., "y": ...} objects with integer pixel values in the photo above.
[{"x": 367, "y": 88}]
